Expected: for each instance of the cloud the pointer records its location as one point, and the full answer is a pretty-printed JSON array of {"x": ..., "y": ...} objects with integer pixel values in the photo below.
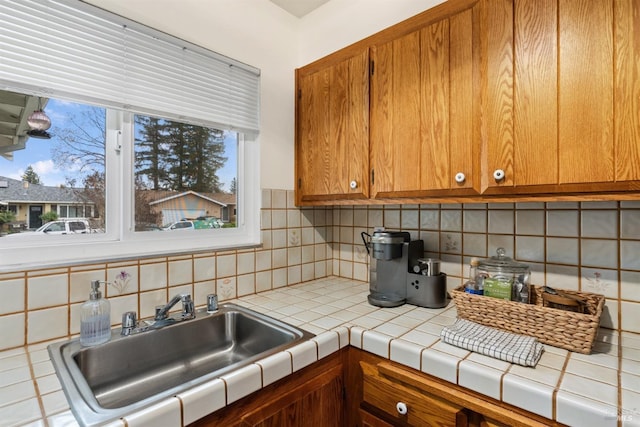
[{"x": 44, "y": 167}]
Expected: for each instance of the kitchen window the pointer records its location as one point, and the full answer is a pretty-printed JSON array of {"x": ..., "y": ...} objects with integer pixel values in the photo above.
[{"x": 164, "y": 103}]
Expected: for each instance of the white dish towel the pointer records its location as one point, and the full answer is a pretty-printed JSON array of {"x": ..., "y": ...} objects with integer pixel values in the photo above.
[{"x": 507, "y": 346}]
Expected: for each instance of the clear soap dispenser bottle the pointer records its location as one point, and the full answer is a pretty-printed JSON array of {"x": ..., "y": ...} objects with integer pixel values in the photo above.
[{"x": 95, "y": 320}]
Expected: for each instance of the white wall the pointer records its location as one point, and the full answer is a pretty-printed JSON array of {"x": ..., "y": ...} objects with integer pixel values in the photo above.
[
  {"x": 339, "y": 23},
  {"x": 263, "y": 35}
]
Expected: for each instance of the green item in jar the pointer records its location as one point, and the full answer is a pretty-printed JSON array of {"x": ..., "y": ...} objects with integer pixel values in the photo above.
[{"x": 497, "y": 288}]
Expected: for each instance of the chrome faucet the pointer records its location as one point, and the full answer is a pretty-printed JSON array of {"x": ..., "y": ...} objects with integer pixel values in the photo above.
[
  {"x": 188, "y": 312},
  {"x": 131, "y": 326}
]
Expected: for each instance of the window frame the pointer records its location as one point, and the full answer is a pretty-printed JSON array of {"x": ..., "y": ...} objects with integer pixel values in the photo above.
[{"x": 120, "y": 241}]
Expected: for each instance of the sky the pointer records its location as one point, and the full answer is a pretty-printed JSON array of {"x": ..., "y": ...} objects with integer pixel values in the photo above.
[{"x": 39, "y": 153}]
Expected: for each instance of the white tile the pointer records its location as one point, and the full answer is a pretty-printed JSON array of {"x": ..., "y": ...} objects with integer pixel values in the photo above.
[
  {"x": 530, "y": 222},
  {"x": 242, "y": 382},
  {"x": 54, "y": 403},
  {"x": 327, "y": 343},
  {"x": 590, "y": 389},
  {"x": 376, "y": 343},
  {"x": 180, "y": 272},
  {"x": 630, "y": 224},
  {"x": 392, "y": 329},
  {"x": 163, "y": 414},
  {"x": 13, "y": 292},
  {"x": 275, "y": 367},
  {"x": 20, "y": 413},
  {"x": 47, "y": 324},
  {"x": 153, "y": 276},
  {"x": 480, "y": 378},
  {"x": 630, "y": 413},
  {"x": 226, "y": 265},
  {"x": 562, "y": 250},
  {"x": 406, "y": 353},
  {"x": 421, "y": 338},
  {"x": 12, "y": 327},
  {"x": 48, "y": 384},
  {"x": 541, "y": 374},
  {"x": 17, "y": 392},
  {"x": 441, "y": 365},
  {"x": 303, "y": 354},
  {"x": 529, "y": 395},
  {"x": 630, "y": 382},
  {"x": 489, "y": 361},
  {"x": 47, "y": 291},
  {"x": 630, "y": 316},
  {"x": 599, "y": 253},
  {"x": 202, "y": 400},
  {"x": 600, "y": 223},
  {"x": 343, "y": 336},
  {"x": 204, "y": 268},
  {"x": 66, "y": 419},
  {"x": 590, "y": 370},
  {"x": 450, "y": 349},
  {"x": 562, "y": 223},
  {"x": 576, "y": 410},
  {"x": 15, "y": 375}
]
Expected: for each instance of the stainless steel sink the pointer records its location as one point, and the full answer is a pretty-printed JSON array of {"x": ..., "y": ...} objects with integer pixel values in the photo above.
[{"x": 128, "y": 373}]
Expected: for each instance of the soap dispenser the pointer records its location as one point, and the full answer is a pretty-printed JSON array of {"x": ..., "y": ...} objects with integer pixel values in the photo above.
[{"x": 95, "y": 320}]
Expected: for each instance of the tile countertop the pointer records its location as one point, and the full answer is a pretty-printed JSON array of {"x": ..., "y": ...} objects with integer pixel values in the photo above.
[{"x": 601, "y": 389}]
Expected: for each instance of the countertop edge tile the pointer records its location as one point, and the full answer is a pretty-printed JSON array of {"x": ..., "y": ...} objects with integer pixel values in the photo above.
[{"x": 449, "y": 363}]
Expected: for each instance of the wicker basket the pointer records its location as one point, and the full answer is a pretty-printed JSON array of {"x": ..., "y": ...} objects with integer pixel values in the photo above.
[{"x": 565, "y": 329}]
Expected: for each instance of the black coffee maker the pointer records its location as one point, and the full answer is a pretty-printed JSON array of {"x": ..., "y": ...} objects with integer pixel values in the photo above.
[{"x": 393, "y": 254}]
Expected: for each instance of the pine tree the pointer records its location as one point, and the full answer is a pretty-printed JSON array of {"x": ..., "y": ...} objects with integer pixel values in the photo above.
[{"x": 31, "y": 176}]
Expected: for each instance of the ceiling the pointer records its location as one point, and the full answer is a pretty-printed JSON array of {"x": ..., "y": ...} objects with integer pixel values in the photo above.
[{"x": 299, "y": 8}]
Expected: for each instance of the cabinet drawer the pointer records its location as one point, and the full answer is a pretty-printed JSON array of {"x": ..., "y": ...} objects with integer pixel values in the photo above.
[{"x": 422, "y": 409}]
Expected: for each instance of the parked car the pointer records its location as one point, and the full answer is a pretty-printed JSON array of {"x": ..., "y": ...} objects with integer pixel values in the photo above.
[
  {"x": 60, "y": 226},
  {"x": 201, "y": 223}
]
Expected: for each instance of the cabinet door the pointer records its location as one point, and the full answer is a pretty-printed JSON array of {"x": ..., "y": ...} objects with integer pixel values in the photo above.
[
  {"x": 422, "y": 111},
  {"x": 317, "y": 403},
  {"x": 627, "y": 89},
  {"x": 560, "y": 98},
  {"x": 332, "y": 142}
]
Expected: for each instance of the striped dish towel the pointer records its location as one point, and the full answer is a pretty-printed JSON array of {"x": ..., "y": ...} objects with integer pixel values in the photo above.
[{"x": 507, "y": 346}]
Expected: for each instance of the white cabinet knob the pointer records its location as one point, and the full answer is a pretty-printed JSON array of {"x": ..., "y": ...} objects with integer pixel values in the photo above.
[
  {"x": 353, "y": 185},
  {"x": 460, "y": 177},
  {"x": 498, "y": 174},
  {"x": 401, "y": 407}
]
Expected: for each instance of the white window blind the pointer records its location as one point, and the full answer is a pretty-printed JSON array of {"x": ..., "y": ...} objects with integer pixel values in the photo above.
[{"x": 71, "y": 50}]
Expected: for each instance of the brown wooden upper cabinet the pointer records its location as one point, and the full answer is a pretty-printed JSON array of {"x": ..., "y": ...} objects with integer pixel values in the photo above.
[
  {"x": 477, "y": 100},
  {"x": 332, "y": 127},
  {"x": 560, "y": 95},
  {"x": 421, "y": 132}
]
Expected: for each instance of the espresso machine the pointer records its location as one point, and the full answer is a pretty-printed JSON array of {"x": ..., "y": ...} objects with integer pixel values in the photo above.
[
  {"x": 392, "y": 255},
  {"x": 399, "y": 274}
]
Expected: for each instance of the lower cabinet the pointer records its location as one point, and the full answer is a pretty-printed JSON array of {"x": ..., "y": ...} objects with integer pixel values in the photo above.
[
  {"x": 310, "y": 397},
  {"x": 381, "y": 393},
  {"x": 354, "y": 388}
]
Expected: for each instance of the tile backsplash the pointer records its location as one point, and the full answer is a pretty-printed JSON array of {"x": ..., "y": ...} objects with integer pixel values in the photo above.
[{"x": 589, "y": 246}]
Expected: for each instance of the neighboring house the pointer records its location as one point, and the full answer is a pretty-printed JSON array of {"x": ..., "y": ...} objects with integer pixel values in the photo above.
[
  {"x": 29, "y": 201},
  {"x": 173, "y": 206}
]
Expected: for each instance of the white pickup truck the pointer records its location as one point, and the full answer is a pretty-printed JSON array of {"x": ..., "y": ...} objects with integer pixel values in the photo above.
[{"x": 60, "y": 226}]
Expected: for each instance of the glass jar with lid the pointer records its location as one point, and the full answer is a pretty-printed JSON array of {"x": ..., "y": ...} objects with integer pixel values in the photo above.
[{"x": 502, "y": 277}]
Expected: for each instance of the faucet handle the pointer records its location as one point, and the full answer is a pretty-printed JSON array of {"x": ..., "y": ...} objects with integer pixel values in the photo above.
[
  {"x": 129, "y": 322},
  {"x": 212, "y": 303},
  {"x": 187, "y": 306}
]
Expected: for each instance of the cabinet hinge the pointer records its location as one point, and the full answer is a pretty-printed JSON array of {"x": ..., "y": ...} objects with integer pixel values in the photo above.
[
  {"x": 299, "y": 93},
  {"x": 373, "y": 177},
  {"x": 299, "y": 183},
  {"x": 371, "y": 67}
]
